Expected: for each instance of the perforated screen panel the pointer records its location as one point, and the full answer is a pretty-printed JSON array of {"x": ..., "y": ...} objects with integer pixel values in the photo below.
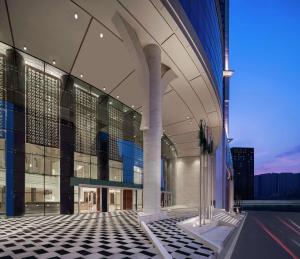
[
  {"x": 115, "y": 131},
  {"x": 85, "y": 122},
  {"x": 42, "y": 108}
]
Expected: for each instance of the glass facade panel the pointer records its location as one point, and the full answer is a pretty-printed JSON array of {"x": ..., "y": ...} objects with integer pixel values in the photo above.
[
  {"x": 82, "y": 166},
  {"x": 34, "y": 194},
  {"x": 115, "y": 171},
  {"x": 76, "y": 204},
  {"x": 138, "y": 173},
  {"x": 94, "y": 169},
  {"x": 203, "y": 16}
]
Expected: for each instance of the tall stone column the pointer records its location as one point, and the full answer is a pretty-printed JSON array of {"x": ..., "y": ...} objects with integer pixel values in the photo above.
[
  {"x": 15, "y": 133},
  {"x": 152, "y": 136},
  {"x": 148, "y": 67}
]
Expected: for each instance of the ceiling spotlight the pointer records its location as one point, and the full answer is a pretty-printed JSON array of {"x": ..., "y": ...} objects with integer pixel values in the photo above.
[
  {"x": 118, "y": 96},
  {"x": 76, "y": 16},
  {"x": 104, "y": 88},
  {"x": 81, "y": 75},
  {"x": 187, "y": 117},
  {"x": 53, "y": 62},
  {"x": 132, "y": 106},
  {"x": 25, "y": 48},
  {"x": 101, "y": 35}
]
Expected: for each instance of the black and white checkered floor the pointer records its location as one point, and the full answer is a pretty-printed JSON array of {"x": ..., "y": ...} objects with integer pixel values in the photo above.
[
  {"x": 96, "y": 235},
  {"x": 177, "y": 243}
]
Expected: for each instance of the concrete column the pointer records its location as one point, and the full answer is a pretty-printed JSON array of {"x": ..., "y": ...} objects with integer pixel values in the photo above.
[
  {"x": 152, "y": 136},
  {"x": 103, "y": 147},
  {"x": 67, "y": 144},
  {"x": 15, "y": 133}
]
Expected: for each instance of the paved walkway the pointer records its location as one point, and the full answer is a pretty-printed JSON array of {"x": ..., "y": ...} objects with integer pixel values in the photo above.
[
  {"x": 96, "y": 235},
  {"x": 176, "y": 241}
]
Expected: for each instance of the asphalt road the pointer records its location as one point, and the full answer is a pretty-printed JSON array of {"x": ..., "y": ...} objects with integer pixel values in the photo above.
[{"x": 269, "y": 235}]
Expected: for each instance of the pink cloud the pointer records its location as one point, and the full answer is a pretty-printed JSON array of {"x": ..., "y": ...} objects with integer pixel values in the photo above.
[{"x": 286, "y": 162}]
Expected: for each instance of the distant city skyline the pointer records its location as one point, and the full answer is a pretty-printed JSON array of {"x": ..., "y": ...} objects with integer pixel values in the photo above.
[
  {"x": 265, "y": 89},
  {"x": 277, "y": 186}
]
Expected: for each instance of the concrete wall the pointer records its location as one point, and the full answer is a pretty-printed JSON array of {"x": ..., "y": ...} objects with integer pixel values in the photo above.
[{"x": 187, "y": 181}]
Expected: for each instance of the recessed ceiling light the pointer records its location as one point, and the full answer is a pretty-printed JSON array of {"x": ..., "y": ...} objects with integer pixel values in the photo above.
[
  {"x": 76, "y": 16},
  {"x": 104, "y": 88},
  {"x": 187, "y": 117},
  {"x": 53, "y": 62},
  {"x": 101, "y": 35},
  {"x": 118, "y": 96},
  {"x": 81, "y": 75},
  {"x": 132, "y": 106},
  {"x": 25, "y": 48}
]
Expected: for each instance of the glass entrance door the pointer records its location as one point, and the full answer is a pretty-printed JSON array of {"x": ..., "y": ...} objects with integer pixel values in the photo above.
[
  {"x": 88, "y": 200},
  {"x": 2, "y": 199},
  {"x": 114, "y": 199}
]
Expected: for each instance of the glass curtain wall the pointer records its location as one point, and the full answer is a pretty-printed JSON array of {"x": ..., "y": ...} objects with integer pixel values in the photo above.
[{"x": 42, "y": 157}]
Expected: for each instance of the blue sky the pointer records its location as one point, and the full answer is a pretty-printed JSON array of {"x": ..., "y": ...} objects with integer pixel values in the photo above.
[{"x": 265, "y": 89}]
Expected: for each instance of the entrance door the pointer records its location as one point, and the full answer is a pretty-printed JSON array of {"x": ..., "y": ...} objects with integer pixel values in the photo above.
[
  {"x": 114, "y": 199},
  {"x": 127, "y": 199},
  {"x": 88, "y": 200},
  {"x": 2, "y": 199}
]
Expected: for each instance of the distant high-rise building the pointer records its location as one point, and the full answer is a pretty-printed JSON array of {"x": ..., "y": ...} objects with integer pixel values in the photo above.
[
  {"x": 243, "y": 167},
  {"x": 275, "y": 186}
]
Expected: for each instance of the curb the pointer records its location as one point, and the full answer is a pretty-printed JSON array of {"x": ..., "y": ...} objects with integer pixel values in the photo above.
[{"x": 227, "y": 252}]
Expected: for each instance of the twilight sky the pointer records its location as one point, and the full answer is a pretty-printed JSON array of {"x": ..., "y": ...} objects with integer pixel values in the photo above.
[{"x": 265, "y": 89}]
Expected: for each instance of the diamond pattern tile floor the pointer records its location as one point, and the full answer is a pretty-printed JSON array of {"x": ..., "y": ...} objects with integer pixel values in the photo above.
[
  {"x": 96, "y": 235},
  {"x": 176, "y": 241}
]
